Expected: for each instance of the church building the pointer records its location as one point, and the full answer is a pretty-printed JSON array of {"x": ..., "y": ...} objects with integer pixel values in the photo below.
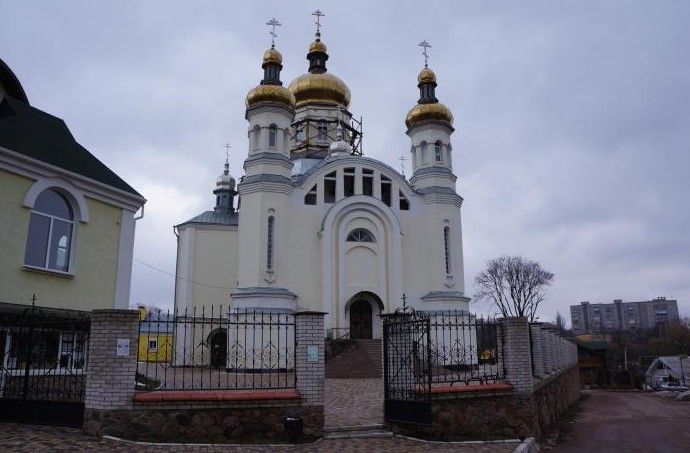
[{"x": 315, "y": 225}]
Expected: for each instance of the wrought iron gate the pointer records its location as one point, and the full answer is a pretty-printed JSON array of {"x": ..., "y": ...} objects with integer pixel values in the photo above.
[
  {"x": 407, "y": 368},
  {"x": 43, "y": 366}
]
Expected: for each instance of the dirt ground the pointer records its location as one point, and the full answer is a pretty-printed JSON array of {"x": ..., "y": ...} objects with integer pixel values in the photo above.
[{"x": 613, "y": 421}]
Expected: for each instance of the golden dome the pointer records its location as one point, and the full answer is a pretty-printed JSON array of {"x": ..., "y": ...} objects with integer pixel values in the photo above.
[
  {"x": 317, "y": 46},
  {"x": 272, "y": 56},
  {"x": 428, "y": 112},
  {"x": 322, "y": 88},
  {"x": 270, "y": 93},
  {"x": 426, "y": 75}
]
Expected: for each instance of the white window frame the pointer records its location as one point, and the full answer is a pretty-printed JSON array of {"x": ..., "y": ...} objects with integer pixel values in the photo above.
[
  {"x": 155, "y": 343},
  {"x": 52, "y": 219}
]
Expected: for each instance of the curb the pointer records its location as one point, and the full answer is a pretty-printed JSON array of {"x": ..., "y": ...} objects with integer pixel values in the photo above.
[
  {"x": 528, "y": 445},
  {"x": 184, "y": 444}
]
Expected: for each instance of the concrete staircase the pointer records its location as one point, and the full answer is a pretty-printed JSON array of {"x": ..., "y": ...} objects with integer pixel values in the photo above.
[{"x": 364, "y": 359}]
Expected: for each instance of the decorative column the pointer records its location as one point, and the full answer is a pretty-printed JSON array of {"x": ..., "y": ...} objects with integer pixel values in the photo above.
[
  {"x": 537, "y": 351},
  {"x": 311, "y": 369},
  {"x": 517, "y": 354},
  {"x": 112, "y": 366}
]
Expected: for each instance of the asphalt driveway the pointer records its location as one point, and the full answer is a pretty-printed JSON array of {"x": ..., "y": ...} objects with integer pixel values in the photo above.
[{"x": 629, "y": 422}]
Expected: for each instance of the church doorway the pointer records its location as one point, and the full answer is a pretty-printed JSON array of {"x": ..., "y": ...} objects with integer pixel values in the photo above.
[
  {"x": 218, "y": 341},
  {"x": 360, "y": 320}
]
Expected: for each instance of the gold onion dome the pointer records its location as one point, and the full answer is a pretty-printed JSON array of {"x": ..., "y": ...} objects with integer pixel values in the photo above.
[
  {"x": 426, "y": 75},
  {"x": 270, "y": 93},
  {"x": 428, "y": 112},
  {"x": 318, "y": 86},
  {"x": 271, "y": 88},
  {"x": 322, "y": 88},
  {"x": 428, "y": 108},
  {"x": 317, "y": 46},
  {"x": 272, "y": 56}
]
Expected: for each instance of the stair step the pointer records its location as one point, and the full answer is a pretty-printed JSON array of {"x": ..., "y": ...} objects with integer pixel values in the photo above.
[
  {"x": 337, "y": 429},
  {"x": 359, "y": 434}
]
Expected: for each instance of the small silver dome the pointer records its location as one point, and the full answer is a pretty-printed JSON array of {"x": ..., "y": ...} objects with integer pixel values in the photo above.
[{"x": 225, "y": 181}]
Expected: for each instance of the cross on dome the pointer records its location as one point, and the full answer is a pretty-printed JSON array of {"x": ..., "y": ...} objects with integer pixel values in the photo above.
[
  {"x": 227, "y": 147},
  {"x": 318, "y": 14},
  {"x": 273, "y": 23},
  {"x": 425, "y": 45}
]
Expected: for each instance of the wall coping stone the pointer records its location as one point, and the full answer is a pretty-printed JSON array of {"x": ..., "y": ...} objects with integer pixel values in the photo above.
[
  {"x": 216, "y": 395},
  {"x": 496, "y": 387}
]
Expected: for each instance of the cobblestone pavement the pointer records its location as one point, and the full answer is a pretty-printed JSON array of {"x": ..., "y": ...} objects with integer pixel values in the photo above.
[
  {"x": 354, "y": 402},
  {"x": 32, "y": 438}
]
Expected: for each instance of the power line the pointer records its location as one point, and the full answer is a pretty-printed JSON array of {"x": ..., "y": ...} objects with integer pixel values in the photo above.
[{"x": 177, "y": 277}]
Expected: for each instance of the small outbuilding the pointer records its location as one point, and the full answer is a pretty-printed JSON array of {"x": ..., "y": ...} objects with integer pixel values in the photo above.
[{"x": 668, "y": 369}]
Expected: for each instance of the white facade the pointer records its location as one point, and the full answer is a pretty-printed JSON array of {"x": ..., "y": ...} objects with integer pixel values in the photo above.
[{"x": 319, "y": 232}]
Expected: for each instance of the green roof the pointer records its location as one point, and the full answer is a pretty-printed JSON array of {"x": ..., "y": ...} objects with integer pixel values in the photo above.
[{"x": 36, "y": 134}]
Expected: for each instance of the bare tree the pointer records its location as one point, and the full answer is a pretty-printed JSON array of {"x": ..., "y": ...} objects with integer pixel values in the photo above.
[
  {"x": 560, "y": 322},
  {"x": 514, "y": 285}
]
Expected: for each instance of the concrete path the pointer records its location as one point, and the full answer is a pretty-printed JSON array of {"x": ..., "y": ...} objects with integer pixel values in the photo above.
[{"x": 629, "y": 422}]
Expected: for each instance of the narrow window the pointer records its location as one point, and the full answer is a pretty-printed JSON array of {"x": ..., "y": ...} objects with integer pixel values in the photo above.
[
  {"x": 323, "y": 131},
  {"x": 285, "y": 139},
  {"x": 269, "y": 242},
  {"x": 349, "y": 182},
  {"x": 256, "y": 135},
  {"x": 153, "y": 345},
  {"x": 446, "y": 244},
  {"x": 360, "y": 235},
  {"x": 329, "y": 188},
  {"x": 386, "y": 190},
  {"x": 310, "y": 197},
  {"x": 272, "y": 136},
  {"x": 438, "y": 151},
  {"x": 424, "y": 156},
  {"x": 49, "y": 238},
  {"x": 404, "y": 204},
  {"x": 368, "y": 182}
]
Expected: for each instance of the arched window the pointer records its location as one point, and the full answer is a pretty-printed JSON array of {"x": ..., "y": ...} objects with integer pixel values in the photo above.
[
  {"x": 446, "y": 245},
  {"x": 272, "y": 136},
  {"x": 310, "y": 197},
  {"x": 360, "y": 235},
  {"x": 438, "y": 151},
  {"x": 49, "y": 241},
  {"x": 256, "y": 134},
  {"x": 323, "y": 131},
  {"x": 424, "y": 158},
  {"x": 270, "y": 236}
]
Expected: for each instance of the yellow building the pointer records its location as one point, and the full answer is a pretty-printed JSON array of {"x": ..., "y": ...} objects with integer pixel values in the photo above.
[
  {"x": 67, "y": 220},
  {"x": 155, "y": 338}
]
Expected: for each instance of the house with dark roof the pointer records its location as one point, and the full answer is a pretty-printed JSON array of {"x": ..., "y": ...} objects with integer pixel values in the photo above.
[{"x": 67, "y": 221}]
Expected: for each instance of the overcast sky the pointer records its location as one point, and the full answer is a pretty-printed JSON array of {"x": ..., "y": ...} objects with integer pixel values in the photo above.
[{"x": 572, "y": 118}]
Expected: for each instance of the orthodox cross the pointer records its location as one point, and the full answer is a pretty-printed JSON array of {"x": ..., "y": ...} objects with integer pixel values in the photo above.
[
  {"x": 402, "y": 165},
  {"x": 425, "y": 46},
  {"x": 227, "y": 147},
  {"x": 273, "y": 23},
  {"x": 318, "y": 14}
]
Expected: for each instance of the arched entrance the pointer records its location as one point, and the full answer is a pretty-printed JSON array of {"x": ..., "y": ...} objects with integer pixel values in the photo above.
[
  {"x": 360, "y": 320},
  {"x": 218, "y": 341}
]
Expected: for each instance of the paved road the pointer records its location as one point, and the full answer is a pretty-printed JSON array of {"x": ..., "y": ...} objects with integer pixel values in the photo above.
[
  {"x": 32, "y": 438},
  {"x": 629, "y": 422}
]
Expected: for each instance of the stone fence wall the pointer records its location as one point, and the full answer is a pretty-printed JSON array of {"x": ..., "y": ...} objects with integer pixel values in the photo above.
[
  {"x": 541, "y": 381},
  {"x": 114, "y": 407}
]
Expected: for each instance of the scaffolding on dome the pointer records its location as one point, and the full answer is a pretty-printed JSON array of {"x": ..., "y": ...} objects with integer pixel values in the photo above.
[{"x": 312, "y": 137}]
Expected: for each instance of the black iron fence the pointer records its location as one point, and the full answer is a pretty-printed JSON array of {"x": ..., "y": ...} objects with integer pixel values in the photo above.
[
  {"x": 465, "y": 348},
  {"x": 43, "y": 361},
  {"x": 216, "y": 348}
]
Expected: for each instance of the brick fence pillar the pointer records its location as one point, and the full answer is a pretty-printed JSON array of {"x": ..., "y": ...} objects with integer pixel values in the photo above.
[
  {"x": 517, "y": 354},
  {"x": 537, "y": 350},
  {"x": 111, "y": 372},
  {"x": 546, "y": 364},
  {"x": 310, "y": 366},
  {"x": 553, "y": 364}
]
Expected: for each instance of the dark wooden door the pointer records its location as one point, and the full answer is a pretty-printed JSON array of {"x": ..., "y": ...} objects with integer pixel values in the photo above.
[{"x": 360, "y": 320}]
